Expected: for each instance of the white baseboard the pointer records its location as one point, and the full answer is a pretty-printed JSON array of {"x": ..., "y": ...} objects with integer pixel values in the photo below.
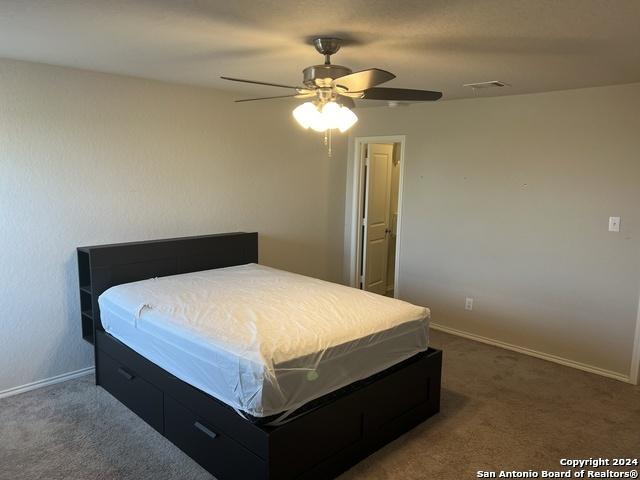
[
  {"x": 534, "y": 353},
  {"x": 46, "y": 382}
]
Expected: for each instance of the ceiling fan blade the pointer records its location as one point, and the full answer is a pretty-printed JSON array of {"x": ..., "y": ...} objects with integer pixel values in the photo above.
[
  {"x": 400, "y": 94},
  {"x": 351, "y": 94},
  {"x": 364, "y": 79},
  {"x": 260, "y": 83},
  {"x": 268, "y": 98}
]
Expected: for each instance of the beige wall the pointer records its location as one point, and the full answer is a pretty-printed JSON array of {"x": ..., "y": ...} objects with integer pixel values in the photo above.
[
  {"x": 507, "y": 200},
  {"x": 88, "y": 158}
]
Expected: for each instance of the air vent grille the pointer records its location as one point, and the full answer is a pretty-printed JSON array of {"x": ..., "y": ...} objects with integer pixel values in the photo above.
[{"x": 491, "y": 84}]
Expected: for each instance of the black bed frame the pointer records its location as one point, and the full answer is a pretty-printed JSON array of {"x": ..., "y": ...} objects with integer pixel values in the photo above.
[{"x": 321, "y": 443}]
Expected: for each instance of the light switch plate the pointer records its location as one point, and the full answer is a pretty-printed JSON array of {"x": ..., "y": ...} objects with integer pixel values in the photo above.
[
  {"x": 468, "y": 303},
  {"x": 614, "y": 224}
]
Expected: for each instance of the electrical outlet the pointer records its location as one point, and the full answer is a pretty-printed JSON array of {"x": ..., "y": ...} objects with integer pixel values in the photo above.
[
  {"x": 614, "y": 224},
  {"x": 468, "y": 303}
]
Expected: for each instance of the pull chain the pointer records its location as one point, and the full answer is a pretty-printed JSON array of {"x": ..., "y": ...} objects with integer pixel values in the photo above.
[{"x": 327, "y": 141}]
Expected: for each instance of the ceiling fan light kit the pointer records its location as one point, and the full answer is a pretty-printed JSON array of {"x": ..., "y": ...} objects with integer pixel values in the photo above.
[
  {"x": 325, "y": 117},
  {"x": 332, "y": 88}
]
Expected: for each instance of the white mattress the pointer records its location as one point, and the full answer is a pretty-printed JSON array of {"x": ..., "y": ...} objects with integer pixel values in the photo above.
[{"x": 262, "y": 340}]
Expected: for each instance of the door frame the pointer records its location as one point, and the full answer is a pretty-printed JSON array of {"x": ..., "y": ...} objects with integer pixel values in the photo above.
[{"x": 357, "y": 205}]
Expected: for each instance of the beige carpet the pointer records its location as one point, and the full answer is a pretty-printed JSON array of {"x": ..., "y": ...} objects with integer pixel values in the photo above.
[
  {"x": 500, "y": 410},
  {"x": 503, "y": 411}
]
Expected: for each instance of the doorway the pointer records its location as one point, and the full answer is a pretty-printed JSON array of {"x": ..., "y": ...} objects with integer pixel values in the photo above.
[{"x": 379, "y": 169}]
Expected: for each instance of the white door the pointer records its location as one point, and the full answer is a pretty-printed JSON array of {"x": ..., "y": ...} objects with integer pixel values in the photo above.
[{"x": 377, "y": 201}]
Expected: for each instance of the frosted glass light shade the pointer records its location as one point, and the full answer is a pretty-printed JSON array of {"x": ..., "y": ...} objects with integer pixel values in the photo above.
[
  {"x": 347, "y": 119},
  {"x": 329, "y": 116},
  {"x": 331, "y": 112},
  {"x": 305, "y": 114}
]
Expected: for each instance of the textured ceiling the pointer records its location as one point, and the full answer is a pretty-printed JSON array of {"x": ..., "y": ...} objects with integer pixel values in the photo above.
[{"x": 534, "y": 45}]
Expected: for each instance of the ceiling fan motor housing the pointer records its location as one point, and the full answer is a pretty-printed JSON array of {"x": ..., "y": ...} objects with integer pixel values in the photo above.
[{"x": 322, "y": 75}]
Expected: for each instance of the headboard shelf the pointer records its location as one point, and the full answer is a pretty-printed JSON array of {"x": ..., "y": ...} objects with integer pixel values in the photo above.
[{"x": 103, "y": 266}]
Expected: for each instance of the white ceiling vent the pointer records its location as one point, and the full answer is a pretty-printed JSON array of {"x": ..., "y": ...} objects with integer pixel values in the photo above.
[{"x": 491, "y": 84}]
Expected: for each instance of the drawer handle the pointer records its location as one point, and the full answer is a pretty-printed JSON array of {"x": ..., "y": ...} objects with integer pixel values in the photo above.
[
  {"x": 125, "y": 374},
  {"x": 205, "y": 430}
]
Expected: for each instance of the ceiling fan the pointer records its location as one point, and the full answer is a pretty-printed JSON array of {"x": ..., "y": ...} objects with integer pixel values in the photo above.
[{"x": 333, "y": 88}]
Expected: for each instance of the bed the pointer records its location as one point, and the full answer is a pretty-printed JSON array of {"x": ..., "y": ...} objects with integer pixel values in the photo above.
[{"x": 254, "y": 372}]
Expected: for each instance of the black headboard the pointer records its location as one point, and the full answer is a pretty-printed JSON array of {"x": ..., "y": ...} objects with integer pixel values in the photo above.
[{"x": 103, "y": 266}]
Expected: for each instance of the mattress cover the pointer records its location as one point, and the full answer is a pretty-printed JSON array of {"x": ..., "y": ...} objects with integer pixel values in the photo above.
[{"x": 262, "y": 340}]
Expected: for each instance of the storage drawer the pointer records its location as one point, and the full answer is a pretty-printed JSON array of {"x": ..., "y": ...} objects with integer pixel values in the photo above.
[
  {"x": 132, "y": 390},
  {"x": 217, "y": 453},
  {"x": 396, "y": 395},
  {"x": 313, "y": 438}
]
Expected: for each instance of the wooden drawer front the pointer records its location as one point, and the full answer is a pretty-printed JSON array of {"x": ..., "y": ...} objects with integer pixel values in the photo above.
[
  {"x": 217, "y": 453},
  {"x": 396, "y": 395},
  {"x": 245, "y": 433},
  {"x": 136, "y": 393},
  {"x": 312, "y": 438}
]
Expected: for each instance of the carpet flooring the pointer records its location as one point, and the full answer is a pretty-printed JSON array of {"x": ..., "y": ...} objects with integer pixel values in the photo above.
[{"x": 500, "y": 411}]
